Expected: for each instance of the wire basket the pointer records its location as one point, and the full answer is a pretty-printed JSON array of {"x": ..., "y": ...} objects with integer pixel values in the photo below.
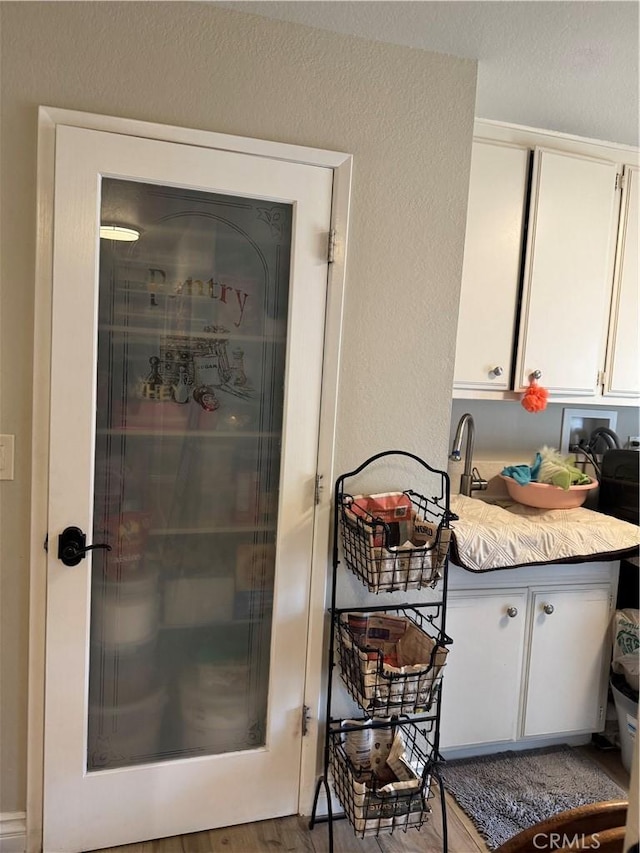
[
  {"x": 390, "y": 664},
  {"x": 392, "y": 793},
  {"x": 377, "y": 553}
]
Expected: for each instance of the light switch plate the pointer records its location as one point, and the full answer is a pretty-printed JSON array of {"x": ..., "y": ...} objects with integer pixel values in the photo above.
[{"x": 7, "y": 446}]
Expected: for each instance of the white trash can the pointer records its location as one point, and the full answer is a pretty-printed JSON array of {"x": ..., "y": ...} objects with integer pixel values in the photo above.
[{"x": 627, "y": 712}]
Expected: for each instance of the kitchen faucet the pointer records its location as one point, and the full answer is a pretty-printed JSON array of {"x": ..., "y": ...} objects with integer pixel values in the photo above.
[
  {"x": 470, "y": 479},
  {"x": 607, "y": 435}
]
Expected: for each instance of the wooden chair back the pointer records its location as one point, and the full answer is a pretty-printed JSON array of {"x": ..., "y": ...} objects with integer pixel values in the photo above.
[{"x": 597, "y": 826}]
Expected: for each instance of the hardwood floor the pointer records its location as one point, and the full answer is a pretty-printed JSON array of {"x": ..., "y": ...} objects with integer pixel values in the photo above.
[{"x": 292, "y": 835}]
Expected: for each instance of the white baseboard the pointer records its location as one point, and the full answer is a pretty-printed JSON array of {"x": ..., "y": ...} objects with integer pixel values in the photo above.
[
  {"x": 452, "y": 753},
  {"x": 13, "y": 832}
]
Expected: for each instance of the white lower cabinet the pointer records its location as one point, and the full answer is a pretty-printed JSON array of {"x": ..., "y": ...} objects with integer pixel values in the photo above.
[
  {"x": 568, "y": 641},
  {"x": 528, "y": 661},
  {"x": 481, "y": 691}
]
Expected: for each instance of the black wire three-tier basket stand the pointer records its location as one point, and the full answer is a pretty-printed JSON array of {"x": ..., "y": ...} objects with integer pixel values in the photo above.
[{"x": 383, "y": 765}]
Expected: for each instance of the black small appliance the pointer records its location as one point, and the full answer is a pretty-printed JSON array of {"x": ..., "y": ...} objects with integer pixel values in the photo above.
[{"x": 619, "y": 496}]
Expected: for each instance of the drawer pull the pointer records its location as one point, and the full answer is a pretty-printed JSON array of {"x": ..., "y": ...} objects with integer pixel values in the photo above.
[
  {"x": 548, "y": 609},
  {"x": 512, "y": 612}
]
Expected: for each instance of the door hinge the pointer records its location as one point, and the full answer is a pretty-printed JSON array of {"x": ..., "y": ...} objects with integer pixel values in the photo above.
[
  {"x": 306, "y": 717},
  {"x": 620, "y": 179},
  {"x": 46, "y": 543},
  {"x": 331, "y": 246},
  {"x": 601, "y": 713},
  {"x": 601, "y": 378},
  {"x": 319, "y": 487}
]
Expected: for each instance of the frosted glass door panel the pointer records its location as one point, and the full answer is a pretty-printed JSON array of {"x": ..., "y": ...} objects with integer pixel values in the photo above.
[{"x": 190, "y": 383}]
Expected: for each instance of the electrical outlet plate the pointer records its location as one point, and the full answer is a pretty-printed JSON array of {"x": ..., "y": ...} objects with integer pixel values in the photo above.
[{"x": 7, "y": 446}]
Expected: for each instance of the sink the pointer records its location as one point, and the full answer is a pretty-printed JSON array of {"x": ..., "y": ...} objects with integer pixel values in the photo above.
[{"x": 496, "y": 500}]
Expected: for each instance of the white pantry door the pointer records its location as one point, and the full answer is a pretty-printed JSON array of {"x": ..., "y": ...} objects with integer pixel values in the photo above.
[{"x": 186, "y": 374}]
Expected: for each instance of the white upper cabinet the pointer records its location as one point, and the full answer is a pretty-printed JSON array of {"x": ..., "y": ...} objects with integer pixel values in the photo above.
[
  {"x": 550, "y": 270},
  {"x": 622, "y": 374},
  {"x": 491, "y": 267},
  {"x": 568, "y": 272}
]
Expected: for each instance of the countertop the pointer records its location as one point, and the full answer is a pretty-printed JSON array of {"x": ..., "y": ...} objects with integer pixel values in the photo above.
[{"x": 505, "y": 534}]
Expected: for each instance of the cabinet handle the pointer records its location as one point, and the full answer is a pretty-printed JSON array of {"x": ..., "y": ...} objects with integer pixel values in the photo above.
[
  {"x": 548, "y": 609},
  {"x": 536, "y": 374},
  {"x": 512, "y": 612},
  {"x": 497, "y": 371}
]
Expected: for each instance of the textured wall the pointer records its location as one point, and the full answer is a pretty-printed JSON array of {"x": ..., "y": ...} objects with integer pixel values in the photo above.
[
  {"x": 570, "y": 65},
  {"x": 405, "y": 114}
]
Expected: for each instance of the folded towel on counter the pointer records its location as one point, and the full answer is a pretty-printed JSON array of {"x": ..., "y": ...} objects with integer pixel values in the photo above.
[
  {"x": 524, "y": 474},
  {"x": 487, "y": 537}
]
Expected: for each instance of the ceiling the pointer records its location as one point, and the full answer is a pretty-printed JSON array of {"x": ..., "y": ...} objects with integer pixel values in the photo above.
[{"x": 570, "y": 66}]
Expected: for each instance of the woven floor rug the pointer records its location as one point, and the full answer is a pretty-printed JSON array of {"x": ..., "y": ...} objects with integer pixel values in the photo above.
[{"x": 510, "y": 791}]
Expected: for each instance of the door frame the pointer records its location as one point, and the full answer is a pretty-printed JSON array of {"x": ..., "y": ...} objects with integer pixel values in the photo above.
[{"x": 341, "y": 164}]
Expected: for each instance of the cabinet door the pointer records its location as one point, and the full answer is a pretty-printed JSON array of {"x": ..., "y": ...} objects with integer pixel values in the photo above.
[
  {"x": 570, "y": 649},
  {"x": 568, "y": 272},
  {"x": 491, "y": 267},
  {"x": 623, "y": 353},
  {"x": 481, "y": 687}
]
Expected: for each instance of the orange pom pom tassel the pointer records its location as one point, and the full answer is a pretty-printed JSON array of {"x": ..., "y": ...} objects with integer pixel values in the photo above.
[{"x": 535, "y": 397}]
